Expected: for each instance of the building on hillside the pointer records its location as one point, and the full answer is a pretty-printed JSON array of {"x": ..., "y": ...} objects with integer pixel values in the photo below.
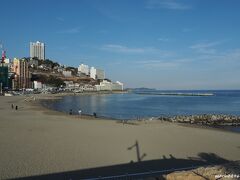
[
  {"x": 97, "y": 73},
  {"x": 60, "y": 69},
  {"x": 37, "y": 85},
  {"x": 67, "y": 73},
  {"x": 8, "y": 64},
  {"x": 23, "y": 76},
  {"x": 109, "y": 86},
  {"x": 4, "y": 82},
  {"x": 104, "y": 86},
  {"x": 87, "y": 87},
  {"x": 117, "y": 86},
  {"x": 7, "y": 60},
  {"x": 69, "y": 84},
  {"x": 5, "y": 72},
  {"x": 33, "y": 62},
  {"x": 83, "y": 69},
  {"x": 37, "y": 49}
]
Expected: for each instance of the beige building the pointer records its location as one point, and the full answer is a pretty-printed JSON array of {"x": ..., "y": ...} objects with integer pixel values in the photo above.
[
  {"x": 67, "y": 73},
  {"x": 83, "y": 69},
  {"x": 37, "y": 49},
  {"x": 23, "y": 78}
]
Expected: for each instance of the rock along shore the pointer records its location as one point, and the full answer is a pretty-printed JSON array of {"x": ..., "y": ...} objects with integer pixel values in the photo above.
[{"x": 205, "y": 119}]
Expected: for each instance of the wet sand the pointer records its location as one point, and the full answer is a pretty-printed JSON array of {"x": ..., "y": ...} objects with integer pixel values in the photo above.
[{"x": 36, "y": 141}]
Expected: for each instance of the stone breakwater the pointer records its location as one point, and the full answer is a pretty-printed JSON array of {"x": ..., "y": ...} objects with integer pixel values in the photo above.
[
  {"x": 205, "y": 119},
  {"x": 175, "y": 94}
]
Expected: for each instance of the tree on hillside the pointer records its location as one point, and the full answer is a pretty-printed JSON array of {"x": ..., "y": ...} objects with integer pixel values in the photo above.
[
  {"x": 55, "y": 81},
  {"x": 73, "y": 69},
  {"x": 51, "y": 80},
  {"x": 48, "y": 63},
  {"x": 26, "y": 58}
]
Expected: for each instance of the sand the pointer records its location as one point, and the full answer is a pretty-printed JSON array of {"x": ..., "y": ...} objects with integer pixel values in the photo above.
[{"x": 35, "y": 141}]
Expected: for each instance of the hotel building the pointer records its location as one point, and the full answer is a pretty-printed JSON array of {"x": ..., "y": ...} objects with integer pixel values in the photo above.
[
  {"x": 97, "y": 73},
  {"x": 109, "y": 86},
  {"x": 37, "y": 49},
  {"x": 83, "y": 69}
]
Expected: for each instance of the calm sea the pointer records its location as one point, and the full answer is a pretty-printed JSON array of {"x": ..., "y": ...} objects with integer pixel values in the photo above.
[{"x": 132, "y": 106}]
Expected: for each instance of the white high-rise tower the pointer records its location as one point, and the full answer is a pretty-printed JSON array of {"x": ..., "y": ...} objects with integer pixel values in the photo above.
[{"x": 37, "y": 49}]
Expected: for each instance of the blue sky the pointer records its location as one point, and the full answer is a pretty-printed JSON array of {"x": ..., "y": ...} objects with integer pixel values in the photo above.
[{"x": 164, "y": 44}]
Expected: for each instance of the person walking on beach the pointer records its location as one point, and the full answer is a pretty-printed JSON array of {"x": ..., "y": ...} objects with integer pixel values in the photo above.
[
  {"x": 70, "y": 112},
  {"x": 16, "y": 107},
  {"x": 12, "y": 106},
  {"x": 80, "y": 112},
  {"x": 95, "y": 114}
]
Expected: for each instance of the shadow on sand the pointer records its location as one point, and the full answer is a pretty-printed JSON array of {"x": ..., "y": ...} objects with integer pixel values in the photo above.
[
  {"x": 139, "y": 156},
  {"x": 168, "y": 162}
]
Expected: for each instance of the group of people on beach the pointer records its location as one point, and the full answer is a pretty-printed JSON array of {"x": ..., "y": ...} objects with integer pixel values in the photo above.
[
  {"x": 16, "y": 107},
  {"x": 80, "y": 113}
]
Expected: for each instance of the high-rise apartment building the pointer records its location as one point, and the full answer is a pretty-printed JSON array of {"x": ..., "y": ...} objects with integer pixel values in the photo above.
[
  {"x": 83, "y": 69},
  {"x": 23, "y": 77},
  {"x": 37, "y": 49},
  {"x": 97, "y": 73}
]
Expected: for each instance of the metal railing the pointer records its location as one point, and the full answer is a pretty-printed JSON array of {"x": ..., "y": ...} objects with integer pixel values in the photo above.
[{"x": 142, "y": 174}]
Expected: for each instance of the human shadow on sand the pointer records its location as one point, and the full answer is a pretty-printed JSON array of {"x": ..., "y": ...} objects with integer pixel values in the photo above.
[{"x": 139, "y": 156}]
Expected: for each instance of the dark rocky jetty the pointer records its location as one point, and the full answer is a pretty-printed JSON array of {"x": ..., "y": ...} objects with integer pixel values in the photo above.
[{"x": 205, "y": 119}]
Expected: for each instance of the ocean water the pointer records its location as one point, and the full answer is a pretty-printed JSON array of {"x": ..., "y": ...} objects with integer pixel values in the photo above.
[{"x": 133, "y": 106}]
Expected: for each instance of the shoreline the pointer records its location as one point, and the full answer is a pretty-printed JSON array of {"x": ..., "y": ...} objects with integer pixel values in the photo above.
[
  {"x": 221, "y": 127},
  {"x": 39, "y": 100}
]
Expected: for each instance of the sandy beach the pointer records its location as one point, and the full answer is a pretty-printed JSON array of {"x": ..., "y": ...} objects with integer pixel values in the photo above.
[{"x": 41, "y": 143}]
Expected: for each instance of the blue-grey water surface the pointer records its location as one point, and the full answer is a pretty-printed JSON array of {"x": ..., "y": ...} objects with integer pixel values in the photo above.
[{"x": 133, "y": 106}]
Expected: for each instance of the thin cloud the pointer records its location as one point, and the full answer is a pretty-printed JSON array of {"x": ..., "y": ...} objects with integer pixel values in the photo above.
[
  {"x": 232, "y": 55},
  {"x": 70, "y": 31},
  {"x": 103, "y": 32},
  {"x": 167, "y": 4},
  {"x": 205, "y": 44},
  {"x": 206, "y": 47},
  {"x": 165, "y": 65},
  {"x": 60, "y": 19},
  {"x": 122, "y": 49},
  {"x": 163, "y": 39},
  {"x": 223, "y": 57},
  {"x": 157, "y": 64},
  {"x": 185, "y": 30},
  {"x": 116, "y": 48}
]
